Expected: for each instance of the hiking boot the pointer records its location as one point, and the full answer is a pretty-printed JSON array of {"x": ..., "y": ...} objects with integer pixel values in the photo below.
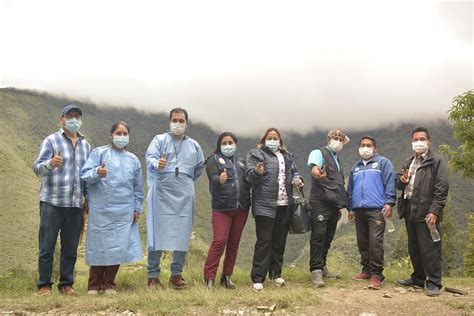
[
  {"x": 154, "y": 283},
  {"x": 375, "y": 282},
  {"x": 431, "y": 289},
  {"x": 317, "y": 278},
  {"x": 44, "y": 291},
  {"x": 257, "y": 287},
  {"x": 329, "y": 275},
  {"x": 279, "y": 282},
  {"x": 411, "y": 282},
  {"x": 68, "y": 290},
  {"x": 178, "y": 282},
  {"x": 227, "y": 282},
  {"x": 209, "y": 284},
  {"x": 362, "y": 276}
]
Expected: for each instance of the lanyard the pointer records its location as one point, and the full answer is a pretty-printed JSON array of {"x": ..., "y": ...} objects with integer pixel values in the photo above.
[{"x": 177, "y": 150}]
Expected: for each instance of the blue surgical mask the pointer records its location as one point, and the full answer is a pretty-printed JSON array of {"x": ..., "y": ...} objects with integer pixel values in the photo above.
[
  {"x": 73, "y": 125},
  {"x": 273, "y": 144},
  {"x": 120, "y": 141},
  {"x": 228, "y": 150}
]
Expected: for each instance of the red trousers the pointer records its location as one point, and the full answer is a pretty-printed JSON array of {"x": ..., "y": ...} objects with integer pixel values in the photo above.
[
  {"x": 227, "y": 227},
  {"x": 102, "y": 277}
]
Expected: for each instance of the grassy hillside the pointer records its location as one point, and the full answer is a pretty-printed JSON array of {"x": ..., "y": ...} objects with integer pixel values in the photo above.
[{"x": 27, "y": 117}]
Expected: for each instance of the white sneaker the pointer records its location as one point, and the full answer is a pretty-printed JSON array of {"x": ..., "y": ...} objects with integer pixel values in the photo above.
[
  {"x": 279, "y": 281},
  {"x": 93, "y": 292},
  {"x": 257, "y": 286},
  {"x": 110, "y": 292}
]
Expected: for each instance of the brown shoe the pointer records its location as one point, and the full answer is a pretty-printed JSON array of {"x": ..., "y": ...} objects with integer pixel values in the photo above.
[
  {"x": 68, "y": 290},
  {"x": 178, "y": 282},
  {"x": 154, "y": 283},
  {"x": 44, "y": 291}
]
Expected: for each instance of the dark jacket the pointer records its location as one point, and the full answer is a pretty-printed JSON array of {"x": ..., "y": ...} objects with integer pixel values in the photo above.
[
  {"x": 235, "y": 192},
  {"x": 430, "y": 190},
  {"x": 265, "y": 187},
  {"x": 329, "y": 190}
]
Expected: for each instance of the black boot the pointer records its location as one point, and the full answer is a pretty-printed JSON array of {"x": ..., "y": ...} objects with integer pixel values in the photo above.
[
  {"x": 227, "y": 282},
  {"x": 209, "y": 284}
]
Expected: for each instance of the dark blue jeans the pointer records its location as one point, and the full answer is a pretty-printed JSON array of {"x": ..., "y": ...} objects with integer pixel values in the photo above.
[{"x": 68, "y": 222}]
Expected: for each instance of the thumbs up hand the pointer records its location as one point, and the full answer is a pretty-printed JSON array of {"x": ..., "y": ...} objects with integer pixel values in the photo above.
[
  {"x": 317, "y": 173},
  {"x": 57, "y": 160},
  {"x": 102, "y": 171},
  {"x": 323, "y": 172},
  {"x": 162, "y": 161},
  {"x": 223, "y": 177}
]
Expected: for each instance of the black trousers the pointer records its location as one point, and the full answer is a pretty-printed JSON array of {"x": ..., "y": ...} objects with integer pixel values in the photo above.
[
  {"x": 425, "y": 254},
  {"x": 270, "y": 245},
  {"x": 370, "y": 228},
  {"x": 323, "y": 225}
]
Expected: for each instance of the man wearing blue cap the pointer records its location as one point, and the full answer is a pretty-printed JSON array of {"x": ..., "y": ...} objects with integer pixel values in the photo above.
[{"x": 62, "y": 192}]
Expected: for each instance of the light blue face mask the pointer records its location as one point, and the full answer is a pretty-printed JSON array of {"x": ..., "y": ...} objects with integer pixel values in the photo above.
[
  {"x": 121, "y": 141},
  {"x": 73, "y": 125},
  {"x": 273, "y": 144},
  {"x": 228, "y": 150}
]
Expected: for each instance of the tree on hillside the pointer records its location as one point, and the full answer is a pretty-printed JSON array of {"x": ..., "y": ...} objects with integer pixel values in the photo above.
[
  {"x": 462, "y": 114},
  {"x": 469, "y": 254}
]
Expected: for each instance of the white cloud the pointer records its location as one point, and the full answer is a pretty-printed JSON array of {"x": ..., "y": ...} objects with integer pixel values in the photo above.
[{"x": 246, "y": 65}]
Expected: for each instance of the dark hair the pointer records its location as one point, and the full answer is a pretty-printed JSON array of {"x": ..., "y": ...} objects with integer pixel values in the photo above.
[
  {"x": 117, "y": 124},
  {"x": 179, "y": 110},
  {"x": 421, "y": 129},
  {"x": 272, "y": 129},
  {"x": 220, "y": 138},
  {"x": 369, "y": 138}
]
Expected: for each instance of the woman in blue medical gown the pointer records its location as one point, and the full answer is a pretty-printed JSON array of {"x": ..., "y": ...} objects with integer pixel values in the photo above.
[{"x": 115, "y": 192}]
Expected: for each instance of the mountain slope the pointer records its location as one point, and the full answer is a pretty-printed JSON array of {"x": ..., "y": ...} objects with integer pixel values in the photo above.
[{"x": 27, "y": 117}]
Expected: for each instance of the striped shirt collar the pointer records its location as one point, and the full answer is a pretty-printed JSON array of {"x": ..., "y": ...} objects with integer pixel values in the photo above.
[{"x": 62, "y": 132}]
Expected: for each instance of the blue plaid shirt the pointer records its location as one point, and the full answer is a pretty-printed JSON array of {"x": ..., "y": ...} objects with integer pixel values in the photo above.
[{"x": 62, "y": 187}]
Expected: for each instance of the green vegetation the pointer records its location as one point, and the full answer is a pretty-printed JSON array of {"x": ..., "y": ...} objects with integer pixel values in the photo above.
[
  {"x": 462, "y": 114},
  {"x": 27, "y": 117}
]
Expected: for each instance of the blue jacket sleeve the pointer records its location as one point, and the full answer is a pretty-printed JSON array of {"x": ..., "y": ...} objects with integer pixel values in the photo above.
[
  {"x": 138, "y": 187},
  {"x": 89, "y": 170},
  {"x": 153, "y": 155},
  {"x": 388, "y": 180},
  {"x": 42, "y": 165},
  {"x": 200, "y": 162}
]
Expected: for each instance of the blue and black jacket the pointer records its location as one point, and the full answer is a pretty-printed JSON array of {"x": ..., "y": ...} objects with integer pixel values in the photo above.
[
  {"x": 372, "y": 185},
  {"x": 235, "y": 192}
]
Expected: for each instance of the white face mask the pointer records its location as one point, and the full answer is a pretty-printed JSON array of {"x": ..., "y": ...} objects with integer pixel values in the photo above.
[
  {"x": 177, "y": 128},
  {"x": 273, "y": 144},
  {"x": 228, "y": 150},
  {"x": 366, "y": 152},
  {"x": 335, "y": 145},
  {"x": 419, "y": 146}
]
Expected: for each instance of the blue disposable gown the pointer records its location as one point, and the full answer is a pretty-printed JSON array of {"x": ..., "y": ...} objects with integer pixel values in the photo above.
[
  {"x": 170, "y": 208},
  {"x": 112, "y": 237}
]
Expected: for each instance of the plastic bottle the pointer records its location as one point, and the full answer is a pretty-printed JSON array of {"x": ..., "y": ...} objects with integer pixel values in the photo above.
[
  {"x": 433, "y": 231},
  {"x": 296, "y": 180},
  {"x": 388, "y": 222}
]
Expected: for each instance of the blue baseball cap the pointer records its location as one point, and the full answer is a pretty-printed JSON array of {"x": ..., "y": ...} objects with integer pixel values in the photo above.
[{"x": 69, "y": 108}]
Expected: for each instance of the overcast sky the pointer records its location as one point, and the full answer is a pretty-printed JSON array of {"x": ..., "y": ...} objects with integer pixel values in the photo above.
[{"x": 246, "y": 65}]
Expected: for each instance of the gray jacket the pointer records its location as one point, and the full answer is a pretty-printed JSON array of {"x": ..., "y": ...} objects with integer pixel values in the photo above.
[
  {"x": 265, "y": 187},
  {"x": 430, "y": 190}
]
